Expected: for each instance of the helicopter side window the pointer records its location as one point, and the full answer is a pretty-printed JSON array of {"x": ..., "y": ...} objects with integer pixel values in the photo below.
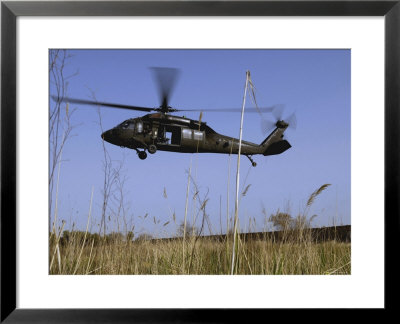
[
  {"x": 187, "y": 133},
  {"x": 139, "y": 126},
  {"x": 198, "y": 135}
]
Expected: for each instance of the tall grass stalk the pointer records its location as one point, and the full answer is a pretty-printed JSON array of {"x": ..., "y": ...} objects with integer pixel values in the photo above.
[
  {"x": 185, "y": 216},
  {"x": 227, "y": 203},
  {"x": 87, "y": 228},
  {"x": 234, "y": 248},
  {"x": 90, "y": 258},
  {"x": 57, "y": 185},
  {"x": 56, "y": 248}
]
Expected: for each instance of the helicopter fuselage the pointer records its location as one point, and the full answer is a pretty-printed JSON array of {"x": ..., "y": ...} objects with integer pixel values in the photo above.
[{"x": 164, "y": 132}]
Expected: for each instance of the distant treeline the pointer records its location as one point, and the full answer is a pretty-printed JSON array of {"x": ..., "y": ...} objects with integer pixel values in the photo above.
[
  {"x": 322, "y": 234},
  {"x": 79, "y": 237}
]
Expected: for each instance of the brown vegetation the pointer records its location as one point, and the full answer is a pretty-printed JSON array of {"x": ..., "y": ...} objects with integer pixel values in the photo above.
[{"x": 118, "y": 254}]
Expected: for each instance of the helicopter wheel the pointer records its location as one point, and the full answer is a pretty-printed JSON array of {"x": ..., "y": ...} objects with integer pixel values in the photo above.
[
  {"x": 152, "y": 149},
  {"x": 254, "y": 164},
  {"x": 142, "y": 155}
]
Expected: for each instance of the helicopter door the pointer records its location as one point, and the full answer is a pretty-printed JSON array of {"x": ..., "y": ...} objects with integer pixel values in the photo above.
[{"x": 174, "y": 134}]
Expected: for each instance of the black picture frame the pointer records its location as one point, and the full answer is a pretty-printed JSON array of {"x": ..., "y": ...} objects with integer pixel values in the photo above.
[{"x": 10, "y": 10}]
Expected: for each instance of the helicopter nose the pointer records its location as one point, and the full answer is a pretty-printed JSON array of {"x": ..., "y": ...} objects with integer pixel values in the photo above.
[{"x": 107, "y": 135}]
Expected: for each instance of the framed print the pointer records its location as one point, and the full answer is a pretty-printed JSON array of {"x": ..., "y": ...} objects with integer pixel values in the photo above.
[{"x": 335, "y": 66}]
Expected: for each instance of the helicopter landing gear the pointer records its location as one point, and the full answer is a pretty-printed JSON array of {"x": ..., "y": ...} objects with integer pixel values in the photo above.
[
  {"x": 254, "y": 164},
  {"x": 152, "y": 149},
  {"x": 142, "y": 155}
]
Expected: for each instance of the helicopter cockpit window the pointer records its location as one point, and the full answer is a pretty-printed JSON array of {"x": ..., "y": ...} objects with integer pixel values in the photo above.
[{"x": 127, "y": 125}]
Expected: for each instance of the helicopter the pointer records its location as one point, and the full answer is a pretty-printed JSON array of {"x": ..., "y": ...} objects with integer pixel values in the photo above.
[{"x": 161, "y": 131}]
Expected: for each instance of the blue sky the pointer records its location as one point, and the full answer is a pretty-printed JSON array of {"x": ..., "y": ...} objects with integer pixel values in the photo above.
[{"x": 313, "y": 83}]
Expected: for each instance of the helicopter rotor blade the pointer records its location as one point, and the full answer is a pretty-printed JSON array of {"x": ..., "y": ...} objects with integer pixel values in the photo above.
[
  {"x": 99, "y": 103},
  {"x": 246, "y": 110},
  {"x": 166, "y": 79},
  {"x": 278, "y": 112},
  {"x": 267, "y": 126}
]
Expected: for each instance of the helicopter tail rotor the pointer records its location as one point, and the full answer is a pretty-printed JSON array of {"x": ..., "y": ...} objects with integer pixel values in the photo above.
[
  {"x": 290, "y": 122},
  {"x": 277, "y": 142}
]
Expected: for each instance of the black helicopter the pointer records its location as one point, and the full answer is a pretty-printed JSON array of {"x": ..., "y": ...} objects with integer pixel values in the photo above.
[{"x": 165, "y": 132}]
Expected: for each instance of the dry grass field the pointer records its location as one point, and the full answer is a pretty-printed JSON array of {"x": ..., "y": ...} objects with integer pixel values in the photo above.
[
  {"x": 296, "y": 250},
  {"x": 295, "y": 255}
]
